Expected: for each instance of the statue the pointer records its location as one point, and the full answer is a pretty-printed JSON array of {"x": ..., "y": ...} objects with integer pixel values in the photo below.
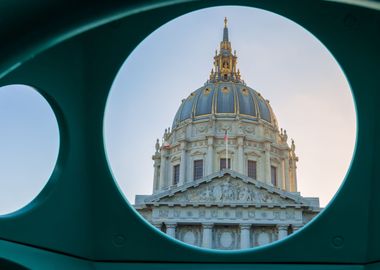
[
  {"x": 293, "y": 147},
  {"x": 285, "y": 136},
  {"x": 157, "y": 145}
]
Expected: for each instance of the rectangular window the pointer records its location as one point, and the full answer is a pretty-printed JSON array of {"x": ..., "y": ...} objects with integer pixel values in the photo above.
[
  {"x": 273, "y": 172},
  {"x": 198, "y": 169},
  {"x": 175, "y": 174},
  {"x": 252, "y": 169},
  {"x": 223, "y": 163}
]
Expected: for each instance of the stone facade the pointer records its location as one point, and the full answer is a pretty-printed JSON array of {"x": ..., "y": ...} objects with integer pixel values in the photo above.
[
  {"x": 227, "y": 210},
  {"x": 224, "y": 175}
]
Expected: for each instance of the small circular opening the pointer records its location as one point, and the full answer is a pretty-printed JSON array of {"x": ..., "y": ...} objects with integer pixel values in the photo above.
[{"x": 29, "y": 143}]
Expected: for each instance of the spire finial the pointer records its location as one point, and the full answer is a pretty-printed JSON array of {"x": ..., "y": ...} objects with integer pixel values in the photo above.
[
  {"x": 225, "y": 31},
  {"x": 225, "y": 61}
]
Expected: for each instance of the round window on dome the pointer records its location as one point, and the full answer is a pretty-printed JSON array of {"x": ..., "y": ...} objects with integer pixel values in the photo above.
[
  {"x": 207, "y": 91},
  {"x": 233, "y": 171}
]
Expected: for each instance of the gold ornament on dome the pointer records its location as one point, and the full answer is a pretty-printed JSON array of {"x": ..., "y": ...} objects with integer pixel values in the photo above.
[{"x": 225, "y": 90}]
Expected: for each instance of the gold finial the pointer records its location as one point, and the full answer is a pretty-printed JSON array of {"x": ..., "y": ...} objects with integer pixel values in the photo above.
[{"x": 225, "y": 21}]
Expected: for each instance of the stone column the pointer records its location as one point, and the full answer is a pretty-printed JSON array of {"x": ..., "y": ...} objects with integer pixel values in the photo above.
[
  {"x": 207, "y": 235},
  {"x": 287, "y": 176},
  {"x": 282, "y": 231},
  {"x": 281, "y": 179},
  {"x": 245, "y": 236},
  {"x": 268, "y": 179},
  {"x": 240, "y": 165},
  {"x": 182, "y": 167},
  {"x": 293, "y": 182},
  {"x": 210, "y": 155},
  {"x": 170, "y": 229},
  {"x": 156, "y": 186},
  {"x": 163, "y": 176}
]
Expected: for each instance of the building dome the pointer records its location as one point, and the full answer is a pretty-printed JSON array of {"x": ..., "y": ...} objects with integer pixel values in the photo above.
[
  {"x": 224, "y": 95},
  {"x": 224, "y": 100},
  {"x": 225, "y": 125}
]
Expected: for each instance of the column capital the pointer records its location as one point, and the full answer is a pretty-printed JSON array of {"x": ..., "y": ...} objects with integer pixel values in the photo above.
[
  {"x": 183, "y": 144},
  {"x": 245, "y": 226},
  {"x": 210, "y": 139},
  {"x": 282, "y": 226},
  {"x": 207, "y": 225},
  {"x": 240, "y": 140},
  {"x": 156, "y": 156},
  {"x": 171, "y": 225},
  {"x": 157, "y": 225},
  {"x": 296, "y": 227},
  {"x": 267, "y": 145}
]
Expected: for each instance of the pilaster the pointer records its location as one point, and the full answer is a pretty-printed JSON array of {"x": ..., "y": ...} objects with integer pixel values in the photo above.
[
  {"x": 163, "y": 176},
  {"x": 282, "y": 231},
  {"x": 240, "y": 154},
  {"x": 245, "y": 236},
  {"x": 170, "y": 229},
  {"x": 210, "y": 155},
  {"x": 207, "y": 235},
  {"x": 268, "y": 179},
  {"x": 183, "y": 165}
]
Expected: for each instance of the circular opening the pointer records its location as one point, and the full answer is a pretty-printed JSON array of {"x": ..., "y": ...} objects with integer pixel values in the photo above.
[
  {"x": 232, "y": 170},
  {"x": 29, "y": 143}
]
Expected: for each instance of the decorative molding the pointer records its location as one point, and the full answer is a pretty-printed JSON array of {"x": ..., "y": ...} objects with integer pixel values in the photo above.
[
  {"x": 175, "y": 158},
  {"x": 252, "y": 153},
  {"x": 223, "y": 152},
  {"x": 198, "y": 153},
  {"x": 247, "y": 128},
  {"x": 202, "y": 128}
]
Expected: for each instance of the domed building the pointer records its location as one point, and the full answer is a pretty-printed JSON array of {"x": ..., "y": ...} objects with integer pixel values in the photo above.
[{"x": 225, "y": 176}]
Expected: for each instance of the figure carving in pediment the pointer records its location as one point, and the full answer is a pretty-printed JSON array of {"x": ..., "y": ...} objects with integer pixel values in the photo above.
[{"x": 227, "y": 191}]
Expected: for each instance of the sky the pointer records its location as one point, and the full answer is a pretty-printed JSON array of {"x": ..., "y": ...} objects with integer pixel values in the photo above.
[
  {"x": 29, "y": 145},
  {"x": 304, "y": 84}
]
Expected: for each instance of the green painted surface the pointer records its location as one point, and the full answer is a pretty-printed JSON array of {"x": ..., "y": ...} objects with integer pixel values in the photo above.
[{"x": 71, "y": 54}]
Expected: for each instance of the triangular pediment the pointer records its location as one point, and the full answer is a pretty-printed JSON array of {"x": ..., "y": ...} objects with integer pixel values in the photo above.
[
  {"x": 227, "y": 189},
  {"x": 252, "y": 153}
]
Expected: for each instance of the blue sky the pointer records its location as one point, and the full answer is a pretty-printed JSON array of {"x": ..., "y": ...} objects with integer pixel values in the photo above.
[
  {"x": 29, "y": 144},
  {"x": 286, "y": 64}
]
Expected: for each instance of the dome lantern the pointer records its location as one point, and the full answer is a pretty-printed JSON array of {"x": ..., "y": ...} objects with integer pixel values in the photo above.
[{"x": 225, "y": 61}]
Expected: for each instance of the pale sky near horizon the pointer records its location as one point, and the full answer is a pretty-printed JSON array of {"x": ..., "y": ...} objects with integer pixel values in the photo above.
[{"x": 286, "y": 64}]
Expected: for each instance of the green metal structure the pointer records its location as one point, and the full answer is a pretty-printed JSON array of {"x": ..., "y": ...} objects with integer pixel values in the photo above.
[{"x": 71, "y": 52}]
